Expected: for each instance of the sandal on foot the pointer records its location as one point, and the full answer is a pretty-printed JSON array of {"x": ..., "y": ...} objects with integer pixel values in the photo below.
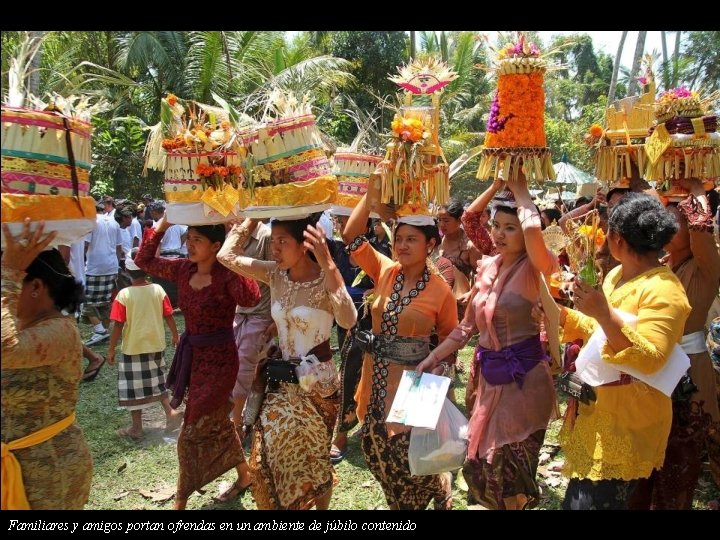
[
  {"x": 127, "y": 432},
  {"x": 337, "y": 455},
  {"x": 235, "y": 491},
  {"x": 90, "y": 375}
]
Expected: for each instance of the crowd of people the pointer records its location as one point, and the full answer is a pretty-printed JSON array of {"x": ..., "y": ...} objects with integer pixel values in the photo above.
[{"x": 260, "y": 301}]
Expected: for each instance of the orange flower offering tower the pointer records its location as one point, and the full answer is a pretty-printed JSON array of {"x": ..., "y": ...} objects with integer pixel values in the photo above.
[
  {"x": 352, "y": 170},
  {"x": 201, "y": 159},
  {"x": 288, "y": 174},
  {"x": 45, "y": 171},
  {"x": 684, "y": 143},
  {"x": 414, "y": 172},
  {"x": 516, "y": 124}
]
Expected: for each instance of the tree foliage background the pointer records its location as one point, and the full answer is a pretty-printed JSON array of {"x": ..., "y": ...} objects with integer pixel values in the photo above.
[{"x": 345, "y": 72}]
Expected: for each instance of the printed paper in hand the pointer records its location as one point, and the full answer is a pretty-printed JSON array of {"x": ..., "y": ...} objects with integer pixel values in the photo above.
[{"x": 419, "y": 400}]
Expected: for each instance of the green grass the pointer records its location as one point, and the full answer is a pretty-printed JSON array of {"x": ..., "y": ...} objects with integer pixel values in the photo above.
[{"x": 124, "y": 468}]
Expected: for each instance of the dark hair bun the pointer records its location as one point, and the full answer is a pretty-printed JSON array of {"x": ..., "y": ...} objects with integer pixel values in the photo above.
[
  {"x": 314, "y": 219},
  {"x": 454, "y": 208},
  {"x": 49, "y": 266},
  {"x": 643, "y": 222}
]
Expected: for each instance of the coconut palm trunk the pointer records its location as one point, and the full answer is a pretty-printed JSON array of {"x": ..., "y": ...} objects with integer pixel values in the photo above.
[
  {"x": 616, "y": 68},
  {"x": 633, "y": 87}
]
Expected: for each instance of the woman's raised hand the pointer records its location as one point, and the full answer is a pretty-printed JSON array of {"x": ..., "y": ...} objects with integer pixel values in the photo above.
[
  {"x": 518, "y": 186},
  {"x": 20, "y": 251},
  {"x": 316, "y": 242}
]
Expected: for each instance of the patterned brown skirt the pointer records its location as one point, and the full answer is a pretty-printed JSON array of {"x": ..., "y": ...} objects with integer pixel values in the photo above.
[
  {"x": 207, "y": 449},
  {"x": 57, "y": 473},
  {"x": 511, "y": 473},
  {"x": 290, "y": 455},
  {"x": 387, "y": 459}
]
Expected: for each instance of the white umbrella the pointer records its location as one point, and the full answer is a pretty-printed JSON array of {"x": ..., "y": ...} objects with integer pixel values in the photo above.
[{"x": 565, "y": 173}]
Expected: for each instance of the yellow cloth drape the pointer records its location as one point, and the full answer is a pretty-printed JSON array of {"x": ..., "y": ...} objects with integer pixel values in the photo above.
[
  {"x": 48, "y": 207},
  {"x": 13, "y": 489}
]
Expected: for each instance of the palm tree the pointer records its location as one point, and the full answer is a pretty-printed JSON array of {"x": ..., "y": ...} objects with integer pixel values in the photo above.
[
  {"x": 676, "y": 60},
  {"x": 616, "y": 68},
  {"x": 637, "y": 59},
  {"x": 665, "y": 64}
]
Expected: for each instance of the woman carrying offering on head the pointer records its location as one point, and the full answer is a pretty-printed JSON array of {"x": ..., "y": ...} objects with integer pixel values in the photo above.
[
  {"x": 290, "y": 456},
  {"x": 411, "y": 303},
  {"x": 46, "y": 463},
  {"x": 206, "y": 360},
  {"x": 515, "y": 397}
]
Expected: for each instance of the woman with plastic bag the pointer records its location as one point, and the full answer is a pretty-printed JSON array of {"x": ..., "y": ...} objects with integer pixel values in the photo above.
[
  {"x": 515, "y": 395},
  {"x": 411, "y": 302},
  {"x": 290, "y": 455}
]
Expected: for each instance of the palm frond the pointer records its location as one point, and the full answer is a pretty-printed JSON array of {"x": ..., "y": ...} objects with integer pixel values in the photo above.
[
  {"x": 428, "y": 42},
  {"x": 319, "y": 74},
  {"x": 20, "y": 70},
  {"x": 368, "y": 139},
  {"x": 207, "y": 69}
]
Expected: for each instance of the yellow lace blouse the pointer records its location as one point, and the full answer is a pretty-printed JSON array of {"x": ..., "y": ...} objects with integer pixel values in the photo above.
[{"x": 623, "y": 434}]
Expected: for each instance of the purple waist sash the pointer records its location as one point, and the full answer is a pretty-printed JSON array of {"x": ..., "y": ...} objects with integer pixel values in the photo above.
[
  {"x": 510, "y": 363},
  {"x": 178, "y": 378}
]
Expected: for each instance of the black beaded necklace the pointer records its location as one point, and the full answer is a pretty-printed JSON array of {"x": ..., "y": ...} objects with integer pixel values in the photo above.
[
  {"x": 390, "y": 318},
  {"x": 396, "y": 305}
]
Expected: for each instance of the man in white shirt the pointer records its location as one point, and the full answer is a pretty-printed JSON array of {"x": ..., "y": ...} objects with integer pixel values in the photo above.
[
  {"x": 124, "y": 215},
  {"x": 173, "y": 242},
  {"x": 327, "y": 224},
  {"x": 74, "y": 256},
  {"x": 103, "y": 251},
  {"x": 109, "y": 204},
  {"x": 171, "y": 246}
]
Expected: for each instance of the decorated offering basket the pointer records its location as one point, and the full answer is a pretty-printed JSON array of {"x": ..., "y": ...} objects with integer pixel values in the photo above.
[
  {"x": 620, "y": 151},
  {"x": 46, "y": 163},
  {"x": 352, "y": 170},
  {"x": 197, "y": 148},
  {"x": 202, "y": 187},
  {"x": 684, "y": 143},
  {"x": 288, "y": 174},
  {"x": 415, "y": 173}
]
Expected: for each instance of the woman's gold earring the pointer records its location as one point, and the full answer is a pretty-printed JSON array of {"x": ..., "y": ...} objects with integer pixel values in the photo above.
[{"x": 34, "y": 294}]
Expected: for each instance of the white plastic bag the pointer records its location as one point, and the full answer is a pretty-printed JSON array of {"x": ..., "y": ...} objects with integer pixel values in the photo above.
[
  {"x": 433, "y": 451},
  {"x": 322, "y": 377},
  {"x": 306, "y": 372}
]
